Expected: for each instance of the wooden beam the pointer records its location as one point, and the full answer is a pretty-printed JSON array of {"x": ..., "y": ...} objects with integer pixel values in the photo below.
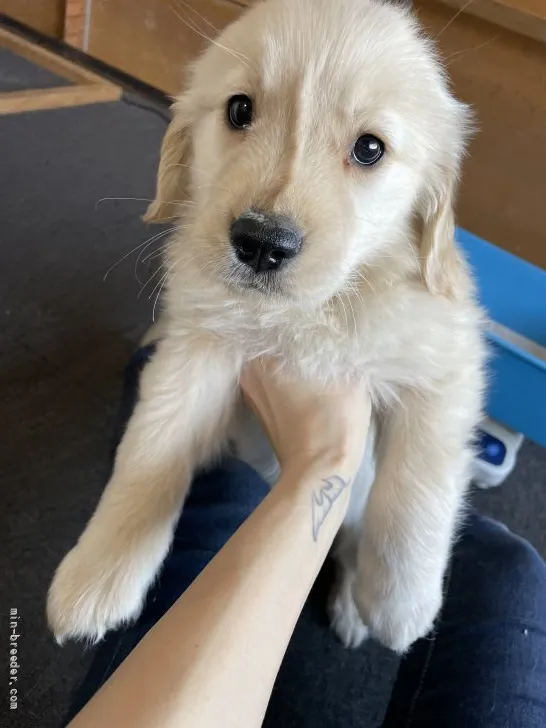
[
  {"x": 16, "y": 102},
  {"x": 47, "y": 59},
  {"x": 527, "y": 17},
  {"x": 86, "y": 87}
]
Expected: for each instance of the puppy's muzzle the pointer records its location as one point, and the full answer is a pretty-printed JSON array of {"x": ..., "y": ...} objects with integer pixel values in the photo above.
[{"x": 265, "y": 242}]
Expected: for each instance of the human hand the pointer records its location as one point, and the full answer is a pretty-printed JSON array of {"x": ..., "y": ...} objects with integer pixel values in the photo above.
[{"x": 309, "y": 425}]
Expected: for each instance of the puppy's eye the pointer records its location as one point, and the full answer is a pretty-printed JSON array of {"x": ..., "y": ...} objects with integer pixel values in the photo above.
[
  {"x": 368, "y": 150},
  {"x": 239, "y": 111}
]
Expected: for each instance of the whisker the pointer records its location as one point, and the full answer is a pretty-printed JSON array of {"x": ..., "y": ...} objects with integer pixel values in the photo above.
[
  {"x": 161, "y": 268},
  {"x": 245, "y": 60},
  {"x": 453, "y": 19},
  {"x": 355, "y": 292},
  {"x": 188, "y": 7},
  {"x": 150, "y": 279},
  {"x": 192, "y": 26},
  {"x": 158, "y": 284},
  {"x": 152, "y": 240},
  {"x": 364, "y": 278},
  {"x": 164, "y": 245},
  {"x": 155, "y": 304},
  {"x": 141, "y": 199},
  {"x": 470, "y": 50},
  {"x": 169, "y": 271},
  {"x": 154, "y": 254},
  {"x": 138, "y": 247}
]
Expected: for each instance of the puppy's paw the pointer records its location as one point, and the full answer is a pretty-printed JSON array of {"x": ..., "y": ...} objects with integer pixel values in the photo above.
[
  {"x": 399, "y": 605},
  {"x": 92, "y": 593},
  {"x": 344, "y": 617},
  {"x": 399, "y": 617}
]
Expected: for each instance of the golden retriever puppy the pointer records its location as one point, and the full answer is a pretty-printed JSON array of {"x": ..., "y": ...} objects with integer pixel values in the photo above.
[{"x": 311, "y": 164}]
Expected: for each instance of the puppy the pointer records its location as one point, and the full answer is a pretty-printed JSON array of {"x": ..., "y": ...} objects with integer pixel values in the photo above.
[{"x": 311, "y": 166}]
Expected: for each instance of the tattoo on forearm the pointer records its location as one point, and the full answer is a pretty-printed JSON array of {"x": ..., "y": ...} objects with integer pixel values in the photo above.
[{"x": 323, "y": 499}]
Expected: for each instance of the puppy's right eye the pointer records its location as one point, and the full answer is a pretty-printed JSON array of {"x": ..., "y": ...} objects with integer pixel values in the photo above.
[
  {"x": 239, "y": 111},
  {"x": 368, "y": 150}
]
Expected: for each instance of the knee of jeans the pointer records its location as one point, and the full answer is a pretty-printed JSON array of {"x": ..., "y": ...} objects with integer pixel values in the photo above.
[
  {"x": 511, "y": 574},
  {"x": 522, "y": 562}
]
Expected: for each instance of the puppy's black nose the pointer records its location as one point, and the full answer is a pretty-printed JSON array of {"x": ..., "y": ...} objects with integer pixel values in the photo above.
[{"x": 264, "y": 242}]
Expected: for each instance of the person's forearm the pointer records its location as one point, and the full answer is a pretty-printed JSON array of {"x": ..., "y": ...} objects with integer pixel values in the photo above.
[{"x": 213, "y": 658}]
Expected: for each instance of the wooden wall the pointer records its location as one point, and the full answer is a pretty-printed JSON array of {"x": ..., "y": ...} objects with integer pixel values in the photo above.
[
  {"x": 527, "y": 17},
  {"x": 150, "y": 39},
  {"x": 47, "y": 16}
]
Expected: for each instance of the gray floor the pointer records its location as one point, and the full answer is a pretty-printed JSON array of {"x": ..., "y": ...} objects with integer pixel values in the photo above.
[
  {"x": 17, "y": 74},
  {"x": 64, "y": 340}
]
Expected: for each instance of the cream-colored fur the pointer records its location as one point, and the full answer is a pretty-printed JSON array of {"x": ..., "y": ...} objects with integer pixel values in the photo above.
[{"x": 378, "y": 292}]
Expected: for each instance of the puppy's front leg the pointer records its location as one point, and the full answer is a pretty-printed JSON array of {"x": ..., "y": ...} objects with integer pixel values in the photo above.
[
  {"x": 186, "y": 397},
  {"x": 411, "y": 515}
]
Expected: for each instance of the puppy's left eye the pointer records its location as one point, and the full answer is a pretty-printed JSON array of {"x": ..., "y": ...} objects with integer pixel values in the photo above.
[
  {"x": 239, "y": 111},
  {"x": 368, "y": 150}
]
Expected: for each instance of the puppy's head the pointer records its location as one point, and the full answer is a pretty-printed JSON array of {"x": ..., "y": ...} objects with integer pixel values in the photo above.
[{"x": 313, "y": 134}]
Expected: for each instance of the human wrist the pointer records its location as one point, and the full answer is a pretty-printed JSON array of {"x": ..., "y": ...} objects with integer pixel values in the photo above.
[{"x": 306, "y": 469}]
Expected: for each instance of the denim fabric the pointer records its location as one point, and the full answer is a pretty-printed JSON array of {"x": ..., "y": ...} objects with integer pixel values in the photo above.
[{"x": 484, "y": 666}]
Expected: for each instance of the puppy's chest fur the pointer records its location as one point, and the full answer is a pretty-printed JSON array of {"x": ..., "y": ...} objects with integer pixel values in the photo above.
[{"x": 402, "y": 336}]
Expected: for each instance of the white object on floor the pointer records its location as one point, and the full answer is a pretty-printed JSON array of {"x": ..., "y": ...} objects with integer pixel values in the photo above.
[{"x": 497, "y": 455}]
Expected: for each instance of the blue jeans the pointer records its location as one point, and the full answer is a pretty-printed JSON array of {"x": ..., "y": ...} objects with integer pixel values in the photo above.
[{"x": 484, "y": 666}]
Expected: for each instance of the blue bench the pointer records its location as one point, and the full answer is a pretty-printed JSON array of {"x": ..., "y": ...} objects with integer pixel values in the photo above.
[{"x": 513, "y": 292}]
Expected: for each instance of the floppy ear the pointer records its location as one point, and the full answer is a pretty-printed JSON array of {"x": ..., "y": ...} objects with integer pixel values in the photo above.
[
  {"x": 441, "y": 264},
  {"x": 172, "y": 174}
]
